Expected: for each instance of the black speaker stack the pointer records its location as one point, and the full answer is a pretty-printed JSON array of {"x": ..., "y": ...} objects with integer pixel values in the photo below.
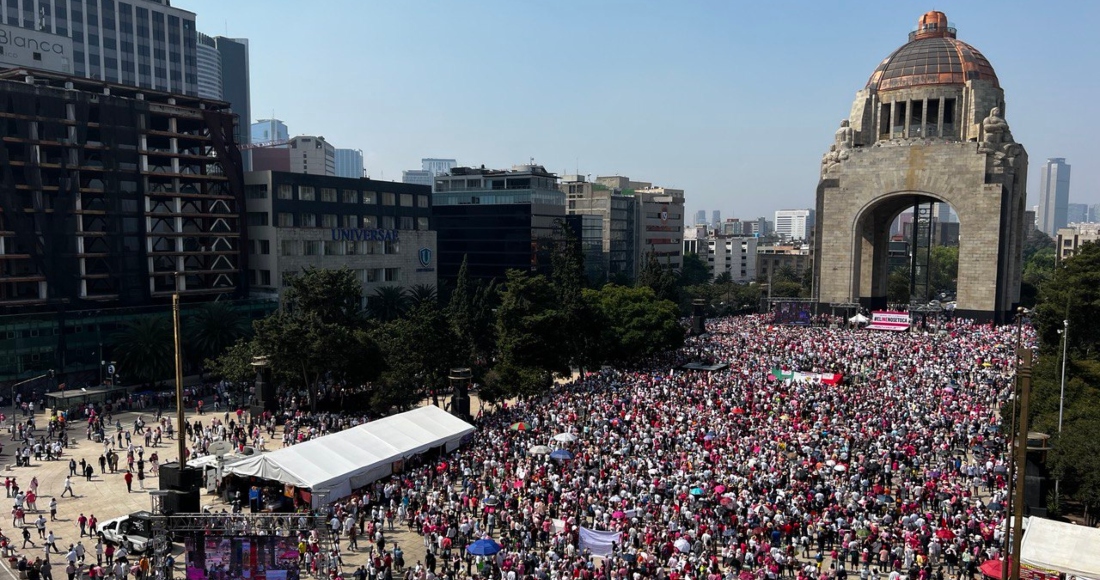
[{"x": 183, "y": 487}]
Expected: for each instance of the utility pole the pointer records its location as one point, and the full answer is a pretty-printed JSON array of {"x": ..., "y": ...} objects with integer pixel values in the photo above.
[
  {"x": 181, "y": 438},
  {"x": 1062, "y": 394},
  {"x": 1024, "y": 373}
]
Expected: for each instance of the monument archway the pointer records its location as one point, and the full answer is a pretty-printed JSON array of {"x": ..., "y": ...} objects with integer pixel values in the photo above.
[{"x": 928, "y": 127}]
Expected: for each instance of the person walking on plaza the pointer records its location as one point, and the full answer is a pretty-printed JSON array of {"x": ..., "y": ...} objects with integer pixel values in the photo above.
[
  {"x": 129, "y": 478},
  {"x": 27, "y": 538},
  {"x": 72, "y": 466},
  {"x": 82, "y": 521},
  {"x": 53, "y": 509},
  {"x": 68, "y": 487}
]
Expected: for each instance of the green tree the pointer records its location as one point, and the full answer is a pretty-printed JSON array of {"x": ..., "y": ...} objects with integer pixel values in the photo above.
[
  {"x": 1075, "y": 460},
  {"x": 1072, "y": 293},
  {"x": 943, "y": 265},
  {"x": 574, "y": 312},
  {"x": 145, "y": 349},
  {"x": 695, "y": 271},
  {"x": 389, "y": 303},
  {"x": 470, "y": 313},
  {"x": 897, "y": 286},
  {"x": 212, "y": 328},
  {"x": 530, "y": 334},
  {"x": 658, "y": 278},
  {"x": 422, "y": 294},
  {"x": 234, "y": 364},
  {"x": 418, "y": 352},
  {"x": 333, "y": 296},
  {"x": 723, "y": 278},
  {"x": 635, "y": 324}
]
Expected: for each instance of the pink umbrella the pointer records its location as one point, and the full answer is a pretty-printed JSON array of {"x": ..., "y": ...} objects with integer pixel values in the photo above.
[
  {"x": 618, "y": 514},
  {"x": 719, "y": 488}
]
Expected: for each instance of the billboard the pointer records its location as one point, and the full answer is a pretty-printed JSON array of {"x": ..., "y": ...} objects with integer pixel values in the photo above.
[
  {"x": 800, "y": 313},
  {"x": 26, "y": 48},
  {"x": 889, "y": 320},
  {"x": 211, "y": 557}
]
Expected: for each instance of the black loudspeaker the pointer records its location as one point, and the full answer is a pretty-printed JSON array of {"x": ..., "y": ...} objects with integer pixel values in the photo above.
[
  {"x": 173, "y": 478},
  {"x": 698, "y": 317},
  {"x": 170, "y": 475},
  {"x": 185, "y": 502},
  {"x": 265, "y": 392}
]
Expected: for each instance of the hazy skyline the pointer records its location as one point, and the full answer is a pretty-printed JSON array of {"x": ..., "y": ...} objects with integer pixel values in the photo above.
[{"x": 734, "y": 103}]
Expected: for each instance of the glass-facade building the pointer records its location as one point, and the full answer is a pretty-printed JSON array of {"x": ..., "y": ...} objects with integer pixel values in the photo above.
[{"x": 143, "y": 43}]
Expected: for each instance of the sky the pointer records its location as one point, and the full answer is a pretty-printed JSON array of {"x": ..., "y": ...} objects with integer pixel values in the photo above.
[{"x": 734, "y": 102}]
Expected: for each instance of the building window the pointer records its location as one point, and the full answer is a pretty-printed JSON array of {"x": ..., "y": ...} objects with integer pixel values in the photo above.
[
  {"x": 265, "y": 247},
  {"x": 256, "y": 191},
  {"x": 328, "y": 194},
  {"x": 286, "y": 192},
  {"x": 311, "y": 248},
  {"x": 286, "y": 220},
  {"x": 351, "y": 221},
  {"x": 333, "y": 248},
  {"x": 374, "y": 274},
  {"x": 350, "y": 248},
  {"x": 390, "y": 247},
  {"x": 422, "y": 223},
  {"x": 406, "y": 200},
  {"x": 406, "y": 222},
  {"x": 370, "y": 197},
  {"x": 390, "y": 274},
  {"x": 306, "y": 193},
  {"x": 265, "y": 277},
  {"x": 288, "y": 248},
  {"x": 257, "y": 218},
  {"x": 307, "y": 220},
  {"x": 351, "y": 196},
  {"x": 387, "y": 222},
  {"x": 328, "y": 220},
  {"x": 370, "y": 222},
  {"x": 388, "y": 198},
  {"x": 422, "y": 201}
]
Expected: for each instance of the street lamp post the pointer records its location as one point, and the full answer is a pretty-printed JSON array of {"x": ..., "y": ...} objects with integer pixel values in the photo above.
[
  {"x": 48, "y": 374},
  {"x": 181, "y": 439}
]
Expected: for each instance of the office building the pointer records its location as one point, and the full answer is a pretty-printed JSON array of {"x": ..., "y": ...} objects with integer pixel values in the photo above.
[
  {"x": 33, "y": 49},
  {"x": 1094, "y": 213},
  {"x": 349, "y": 163},
  {"x": 733, "y": 255},
  {"x": 794, "y": 224},
  {"x": 1053, "y": 195},
  {"x": 610, "y": 217},
  {"x": 437, "y": 167},
  {"x": 771, "y": 258},
  {"x": 378, "y": 229},
  {"x": 700, "y": 217},
  {"x": 1029, "y": 223},
  {"x": 1077, "y": 213},
  {"x": 223, "y": 74},
  {"x": 270, "y": 131},
  {"x": 498, "y": 220},
  {"x": 141, "y": 43},
  {"x": 660, "y": 226},
  {"x": 1070, "y": 239},
  {"x": 418, "y": 177},
  {"x": 312, "y": 155},
  {"x": 716, "y": 219},
  {"x": 107, "y": 233}
]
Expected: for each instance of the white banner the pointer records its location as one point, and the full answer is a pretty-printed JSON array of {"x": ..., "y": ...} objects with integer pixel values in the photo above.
[{"x": 598, "y": 543}]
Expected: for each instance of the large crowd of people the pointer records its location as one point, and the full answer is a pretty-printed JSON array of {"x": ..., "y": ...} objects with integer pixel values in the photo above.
[
  {"x": 745, "y": 471},
  {"x": 734, "y": 473}
]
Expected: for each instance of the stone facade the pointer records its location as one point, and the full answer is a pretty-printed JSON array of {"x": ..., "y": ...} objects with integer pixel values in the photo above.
[{"x": 899, "y": 149}]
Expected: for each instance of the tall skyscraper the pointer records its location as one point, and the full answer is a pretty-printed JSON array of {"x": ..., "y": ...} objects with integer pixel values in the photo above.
[
  {"x": 349, "y": 163},
  {"x": 266, "y": 130},
  {"x": 716, "y": 219},
  {"x": 701, "y": 217},
  {"x": 1077, "y": 213},
  {"x": 1053, "y": 195},
  {"x": 223, "y": 74},
  {"x": 142, "y": 43},
  {"x": 1094, "y": 213}
]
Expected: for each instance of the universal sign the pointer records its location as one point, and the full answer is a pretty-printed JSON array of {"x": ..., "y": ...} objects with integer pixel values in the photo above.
[{"x": 363, "y": 235}]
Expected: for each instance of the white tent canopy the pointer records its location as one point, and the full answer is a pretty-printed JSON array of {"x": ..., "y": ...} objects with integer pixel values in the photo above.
[
  {"x": 1074, "y": 550},
  {"x": 333, "y": 465},
  {"x": 858, "y": 319}
]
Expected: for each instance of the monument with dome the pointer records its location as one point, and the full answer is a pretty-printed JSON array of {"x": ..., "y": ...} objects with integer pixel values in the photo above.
[{"x": 929, "y": 127}]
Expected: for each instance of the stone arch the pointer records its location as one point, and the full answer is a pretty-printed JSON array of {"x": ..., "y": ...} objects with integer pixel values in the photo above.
[{"x": 870, "y": 234}]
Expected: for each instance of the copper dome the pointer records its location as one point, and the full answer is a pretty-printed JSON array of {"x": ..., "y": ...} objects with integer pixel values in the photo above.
[{"x": 933, "y": 56}]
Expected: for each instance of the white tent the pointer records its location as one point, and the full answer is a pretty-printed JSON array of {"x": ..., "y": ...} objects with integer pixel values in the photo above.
[
  {"x": 1061, "y": 547},
  {"x": 333, "y": 465},
  {"x": 858, "y": 319}
]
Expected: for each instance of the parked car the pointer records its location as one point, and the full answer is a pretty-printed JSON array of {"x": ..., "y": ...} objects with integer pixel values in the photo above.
[{"x": 134, "y": 531}]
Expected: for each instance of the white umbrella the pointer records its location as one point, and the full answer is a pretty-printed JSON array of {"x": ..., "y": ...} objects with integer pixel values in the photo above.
[
  {"x": 683, "y": 545},
  {"x": 565, "y": 437},
  {"x": 839, "y": 467},
  {"x": 539, "y": 450}
]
